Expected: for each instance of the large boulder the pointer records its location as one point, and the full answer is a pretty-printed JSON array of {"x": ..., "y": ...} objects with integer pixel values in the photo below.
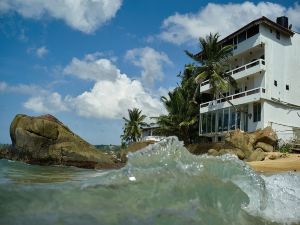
[
  {"x": 241, "y": 140},
  {"x": 264, "y": 146},
  {"x": 45, "y": 140},
  {"x": 257, "y": 155},
  {"x": 266, "y": 135}
]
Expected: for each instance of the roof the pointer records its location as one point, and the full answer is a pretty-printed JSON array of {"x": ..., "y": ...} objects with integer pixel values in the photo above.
[
  {"x": 260, "y": 20},
  {"x": 264, "y": 20}
]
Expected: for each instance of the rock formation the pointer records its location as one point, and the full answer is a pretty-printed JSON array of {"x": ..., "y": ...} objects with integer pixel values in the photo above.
[
  {"x": 45, "y": 140},
  {"x": 248, "y": 146}
]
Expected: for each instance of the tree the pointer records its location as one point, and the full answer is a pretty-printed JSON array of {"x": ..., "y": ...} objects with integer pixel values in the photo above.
[
  {"x": 132, "y": 127},
  {"x": 183, "y": 113},
  {"x": 212, "y": 66}
]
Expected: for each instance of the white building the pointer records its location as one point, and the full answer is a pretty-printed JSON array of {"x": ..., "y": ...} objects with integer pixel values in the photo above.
[{"x": 266, "y": 66}]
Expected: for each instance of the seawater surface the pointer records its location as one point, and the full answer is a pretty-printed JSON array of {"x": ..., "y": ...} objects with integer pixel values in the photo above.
[{"x": 162, "y": 184}]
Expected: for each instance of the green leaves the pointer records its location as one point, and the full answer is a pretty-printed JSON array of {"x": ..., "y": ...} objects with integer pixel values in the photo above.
[{"x": 132, "y": 127}]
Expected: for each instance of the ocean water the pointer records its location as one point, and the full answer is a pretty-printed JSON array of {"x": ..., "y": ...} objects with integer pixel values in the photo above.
[{"x": 162, "y": 184}]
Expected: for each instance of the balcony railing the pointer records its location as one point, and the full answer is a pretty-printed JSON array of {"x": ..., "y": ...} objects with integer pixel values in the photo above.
[
  {"x": 240, "y": 69},
  {"x": 235, "y": 96}
]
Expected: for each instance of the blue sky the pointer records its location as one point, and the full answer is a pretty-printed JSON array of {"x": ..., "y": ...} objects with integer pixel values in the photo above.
[{"x": 87, "y": 62}]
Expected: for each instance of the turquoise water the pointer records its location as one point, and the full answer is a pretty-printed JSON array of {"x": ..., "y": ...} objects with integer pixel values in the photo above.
[{"x": 163, "y": 184}]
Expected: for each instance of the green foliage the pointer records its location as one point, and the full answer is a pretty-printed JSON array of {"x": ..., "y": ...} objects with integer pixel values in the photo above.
[
  {"x": 285, "y": 147},
  {"x": 211, "y": 64},
  {"x": 132, "y": 127},
  {"x": 182, "y": 106}
]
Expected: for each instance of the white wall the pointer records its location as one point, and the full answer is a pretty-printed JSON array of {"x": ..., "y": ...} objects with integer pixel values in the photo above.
[
  {"x": 282, "y": 64},
  {"x": 281, "y": 117}
]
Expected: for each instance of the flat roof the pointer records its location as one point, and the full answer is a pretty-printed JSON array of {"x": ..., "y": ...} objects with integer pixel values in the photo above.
[{"x": 260, "y": 20}]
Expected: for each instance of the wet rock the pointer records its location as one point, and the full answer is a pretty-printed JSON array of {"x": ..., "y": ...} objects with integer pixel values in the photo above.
[
  {"x": 45, "y": 140},
  {"x": 213, "y": 152}
]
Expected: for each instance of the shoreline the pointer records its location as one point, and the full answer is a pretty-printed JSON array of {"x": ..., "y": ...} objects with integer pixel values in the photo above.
[{"x": 284, "y": 163}]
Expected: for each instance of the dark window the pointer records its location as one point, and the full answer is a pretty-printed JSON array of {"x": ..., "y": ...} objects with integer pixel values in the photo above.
[
  {"x": 245, "y": 88},
  {"x": 235, "y": 42},
  {"x": 278, "y": 35},
  {"x": 242, "y": 37},
  {"x": 253, "y": 31},
  {"x": 271, "y": 31},
  {"x": 275, "y": 83},
  {"x": 256, "y": 112},
  {"x": 287, "y": 87},
  {"x": 228, "y": 42}
]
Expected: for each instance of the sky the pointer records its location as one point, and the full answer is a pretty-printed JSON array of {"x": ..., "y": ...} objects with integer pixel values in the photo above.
[{"x": 88, "y": 61}]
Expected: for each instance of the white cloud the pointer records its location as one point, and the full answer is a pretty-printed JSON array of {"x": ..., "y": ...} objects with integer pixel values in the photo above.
[
  {"x": 3, "y": 86},
  {"x": 111, "y": 99},
  {"x": 41, "y": 100},
  {"x": 150, "y": 61},
  {"x": 83, "y": 15},
  {"x": 49, "y": 103},
  {"x": 222, "y": 18},
  {"x": 113, "y": 92},
  {"x": 41, "y": 52},
  {"x": 92, "y": 68}
]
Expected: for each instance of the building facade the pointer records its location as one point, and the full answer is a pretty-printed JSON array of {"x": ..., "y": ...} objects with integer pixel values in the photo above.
[{"x": 266, "y": 66}]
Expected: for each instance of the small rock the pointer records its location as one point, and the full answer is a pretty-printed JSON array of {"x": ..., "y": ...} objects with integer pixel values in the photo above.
[{"x": 213, "y": 152}]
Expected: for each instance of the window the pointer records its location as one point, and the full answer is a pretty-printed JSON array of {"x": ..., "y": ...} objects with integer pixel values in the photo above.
[
  {"x": 232, "y": 119},
  {"x": 253, "y": 31},
  {"x": 242, "y": 37},
  {"x": 226, "y": 119},
  {"x": 271, "y": 31},
  {"x": 287, "y": 87},
  {"x": 278, "y": 35},
  {"x": 256, "y": 112},
  {"x": 275, "y": 83}
]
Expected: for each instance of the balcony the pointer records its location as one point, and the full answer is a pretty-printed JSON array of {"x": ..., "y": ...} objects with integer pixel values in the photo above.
[
  {"x": 237, "y": 99},
  {"x": 240, "y": 72}
]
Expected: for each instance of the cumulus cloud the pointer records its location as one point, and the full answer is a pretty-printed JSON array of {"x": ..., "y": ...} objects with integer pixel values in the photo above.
[
  {"x": 113, "y": 92},
  {"x": 82, "y": 15},
  {"x": 49, "y": 103},
  {"x": 150, "y": 61},
  {"x": 92, "y": 68},
  {"x": 222, "y": 18},
  {"x": 41, "y": 100}
]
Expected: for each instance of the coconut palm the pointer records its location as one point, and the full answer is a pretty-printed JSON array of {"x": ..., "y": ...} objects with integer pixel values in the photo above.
[
  {"x": 132, "y": 128},
  {"x": 182, "y": 116},
  {"x": 212, "y": 64}
]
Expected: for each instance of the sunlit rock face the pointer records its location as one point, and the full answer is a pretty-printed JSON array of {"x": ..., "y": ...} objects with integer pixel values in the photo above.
[{"x": 45, "y": 140}]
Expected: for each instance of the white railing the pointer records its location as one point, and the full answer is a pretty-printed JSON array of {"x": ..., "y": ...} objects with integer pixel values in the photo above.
[
  {"x": 240, "y": 69},
  {"x": 235, "y": 96}
]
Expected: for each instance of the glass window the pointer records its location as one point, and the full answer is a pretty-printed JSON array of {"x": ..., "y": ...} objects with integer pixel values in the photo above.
[
  {"x": 253, "y": 31},
  {"x": 232, "y": 119},
  {"x": 238, "y": 120},
  {"x": 287, "y": 87},
  {"x": 226, "y": 120},
  {"x": 213, "y": 128},
  {"x": 208, "y": 123},
  {"x": 242, "y": 37},
  {"x": 220, "y": 120},
  {"x": 278, "y": 35},
  {"x": 256, "y": 111},
  {"x": 275, "y": 83},
  {"x": 204, "y": 123}
]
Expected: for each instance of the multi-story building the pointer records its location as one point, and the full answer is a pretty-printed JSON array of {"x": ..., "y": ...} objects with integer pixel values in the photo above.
[{"x": 266, "y": 66}]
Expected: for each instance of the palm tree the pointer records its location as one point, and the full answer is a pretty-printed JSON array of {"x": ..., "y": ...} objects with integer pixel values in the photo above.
[
  {"x": 212, "y": 66},
  {"x": 132, "y": 128},
  {"x": 182, "y": 116}
]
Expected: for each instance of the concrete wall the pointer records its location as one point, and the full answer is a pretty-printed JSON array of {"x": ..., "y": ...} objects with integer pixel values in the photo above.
[
  {"x": 282, "y": 64},
  {"x": 282, "y": 118}
]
